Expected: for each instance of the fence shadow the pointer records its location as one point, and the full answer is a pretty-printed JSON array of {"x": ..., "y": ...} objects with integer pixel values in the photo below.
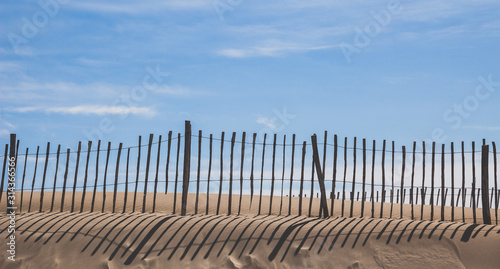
[{"x": 136, "y": 237}]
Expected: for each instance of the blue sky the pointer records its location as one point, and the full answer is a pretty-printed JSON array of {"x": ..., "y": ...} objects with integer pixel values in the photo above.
[{"x": 395, "y": 70}]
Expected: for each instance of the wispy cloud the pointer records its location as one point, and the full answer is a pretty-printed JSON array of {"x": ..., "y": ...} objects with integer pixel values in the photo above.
[
  {"x": 269, "y": 123},
  {"x": 178, "y": 91},
  {"x": 132, "y": 7},
  {"x": 88, "y": 110},
  {"x": 478, "y": 127},
  {"x": 272, "y": 50}
]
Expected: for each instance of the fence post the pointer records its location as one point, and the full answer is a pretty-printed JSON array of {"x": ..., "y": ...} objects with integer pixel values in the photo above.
[
  {"x": 12, "y": 154},
  {"x": 187, "y": 164},
  {"x": 321, "y": 180},
  {"x": 484, "y": 184}
]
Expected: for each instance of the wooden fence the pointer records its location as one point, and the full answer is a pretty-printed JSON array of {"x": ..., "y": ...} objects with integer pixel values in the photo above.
[{"x": 405, "y": 187}]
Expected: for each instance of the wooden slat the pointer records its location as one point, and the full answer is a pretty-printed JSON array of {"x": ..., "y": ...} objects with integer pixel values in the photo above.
[
  {"x": 84, "y": 191},
  {"x": 76, "y": 175},
  {"x": 230, "y": 197},
  {"x": 177, "y": 171},
  {"x": 485, "y": 183},
  {"x": 126, "y": 182},
  {"x": 495, "y": 169},
  {"x": 198, "y": 174},
  {"x": 22, "y": 182},
  {"x": 353, "y": 179},
  {"x": 117, "y": 171},
  {"x": 209, "y": 173},
  {"x": 312, "y": 188},
  {"x": 325, "y": 141},
  {"x": 156, "y": 173},
  {"x": 413, "y": 179},
  {"x": 96, "y": 175},
  {"x": 452, "y": 149},
  {"x": 392, "y": 180},
  {"x": 345, "y": 175},
  {"x": 334, "y": 176},
  {"x": 42, "y": 192},
  {"x": 473, "y": 192},
  {"x": 221, "y": 171},
  {"x": 319, "y": 172},
  {"x": 382, "y": 202},
  {"x": 402, "y": 182},
  {"x": 137, "y": 174},
  {"x": 169, "y": 144},
  {"x": 432, "y": 178},
  {"x": 363, "y": 197},
  {"x": 291, "y": 176},
  {"x": 5, "y": 157},
  {"x": 148, "y": 161},
  {"x": 373, "y": 180},
  {"x": 422, "y": 192},
  {"x": 272, "y": 176},
  {"x": 34, "y": 177},
  {"x": 251, "y": 169},
  {"x": 105, "y": 179},
  {"x": 442, "y": 181},
  {"x": 55, "y": 178},
  {"x": 301, "y": 191},
  {"x": 65, "y": 180},
  {"x": 13, "y": 152},
  {"x": 262, "y": 171},
  {"x": 282, "y": 175},
  {"x": 241, "y": 169},
  {"x": 186, "y": 167},
  {"x": 463, "y": 182}
]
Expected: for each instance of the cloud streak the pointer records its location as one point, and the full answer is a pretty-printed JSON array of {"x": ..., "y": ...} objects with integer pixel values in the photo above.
[
  {"x": 269, "y": 123},
  {"x": 269, "y": 51},
  {"x": 88, "y": 110}
]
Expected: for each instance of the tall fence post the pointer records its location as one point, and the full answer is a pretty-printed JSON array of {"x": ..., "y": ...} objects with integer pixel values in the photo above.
[
  {"x": 187, "y": 164},
  {"x": 484, "y": 184},
  {"x": 11, "y": 175},
  {"x": 321, "y": 180}
]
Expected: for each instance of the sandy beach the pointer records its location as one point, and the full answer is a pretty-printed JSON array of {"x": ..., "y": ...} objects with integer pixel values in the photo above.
[{"x": 162, "y": 239}]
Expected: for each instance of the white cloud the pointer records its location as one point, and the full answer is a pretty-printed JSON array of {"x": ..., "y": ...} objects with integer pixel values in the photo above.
[
  {"x": 179, "y": 91},
  {"x": 132, "y": 7},
  {"x": 88, "y": 110},
  {"x": 270, "y": 50},
  {"x": 478, "y": 127},
  {"x": 269, "y": 123}
]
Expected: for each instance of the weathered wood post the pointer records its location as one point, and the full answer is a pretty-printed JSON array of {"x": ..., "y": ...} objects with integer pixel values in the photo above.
[
  {"x": 76, "y": 175},
  {"x": 4, "y": 169},
  {"x": 187, "y": 165},
  {"x": 319, "y": 172},
  {"x": 11, "y": 175},
  {"x": 43, "y": 178},
  {"x": 148, "y": 160},
  {"x": 115, "y": 190},
  {"x": 85, "y": 178},
  {"x": 484, "y": 183}
]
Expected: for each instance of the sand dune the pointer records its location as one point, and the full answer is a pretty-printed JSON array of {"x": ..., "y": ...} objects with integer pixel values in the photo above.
[{"x": 163, "y": 240}]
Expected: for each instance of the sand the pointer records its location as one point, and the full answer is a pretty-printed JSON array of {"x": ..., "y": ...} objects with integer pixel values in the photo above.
[{"x": 164, "y": 240}]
